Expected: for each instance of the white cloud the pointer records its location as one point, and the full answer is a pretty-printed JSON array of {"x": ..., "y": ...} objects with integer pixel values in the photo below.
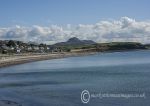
[{"x": 125, "y": 29}]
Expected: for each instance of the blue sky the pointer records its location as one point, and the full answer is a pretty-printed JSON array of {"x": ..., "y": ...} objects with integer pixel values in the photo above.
[
  {"x": 52, "y": 21},
  {"x": 45, "y": 12}
]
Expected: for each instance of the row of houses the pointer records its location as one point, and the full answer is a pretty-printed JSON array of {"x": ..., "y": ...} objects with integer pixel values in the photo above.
[{"x": 11, "y": 46}]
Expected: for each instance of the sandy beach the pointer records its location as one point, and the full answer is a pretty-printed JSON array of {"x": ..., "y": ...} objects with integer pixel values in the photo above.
[{"x": 20, "y": 59}]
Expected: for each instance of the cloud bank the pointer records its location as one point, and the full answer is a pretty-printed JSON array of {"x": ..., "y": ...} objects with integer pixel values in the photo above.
[{"x": 125, "y": 29}]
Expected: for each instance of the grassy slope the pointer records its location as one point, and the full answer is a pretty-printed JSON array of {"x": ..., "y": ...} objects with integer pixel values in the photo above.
[{"x": 105, "y": 46}]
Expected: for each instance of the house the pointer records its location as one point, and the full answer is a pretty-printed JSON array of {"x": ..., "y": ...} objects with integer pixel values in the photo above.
[
  {"x": 41, "y": 49},
  {"x": 12, "y": 48},
  {"x": 35, "y": 48},
  {"x": 47, "y": 48},
  {"x": 29, "y": 48},
  {"x": 17, "y": 49}
]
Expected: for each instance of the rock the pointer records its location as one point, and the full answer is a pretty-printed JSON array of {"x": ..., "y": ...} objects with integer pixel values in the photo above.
[{"x": 9, "y": 103}]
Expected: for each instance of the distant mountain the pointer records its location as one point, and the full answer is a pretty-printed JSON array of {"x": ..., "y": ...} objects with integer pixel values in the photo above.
[{"x": 75, "y": 41}]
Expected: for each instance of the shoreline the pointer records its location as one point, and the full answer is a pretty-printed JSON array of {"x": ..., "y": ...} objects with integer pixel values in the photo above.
[
  {"x": 32, "y": 58},
  {"x": 21, "y": 59}
]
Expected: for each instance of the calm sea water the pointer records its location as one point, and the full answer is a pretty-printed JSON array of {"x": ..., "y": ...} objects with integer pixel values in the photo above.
[{"x": 60, "y": 82}]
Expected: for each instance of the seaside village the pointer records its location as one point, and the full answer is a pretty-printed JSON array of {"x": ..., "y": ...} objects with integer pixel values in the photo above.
[{"x": 17, "y": 47}]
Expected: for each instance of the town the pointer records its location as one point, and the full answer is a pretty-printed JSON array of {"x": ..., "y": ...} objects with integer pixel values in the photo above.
[
  {"x": 71, "y": 45},
  {"x": 16, "y": 47}
]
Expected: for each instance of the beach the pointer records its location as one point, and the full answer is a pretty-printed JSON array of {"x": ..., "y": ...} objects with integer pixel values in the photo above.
[
  {"x": 25, "y": 58},
  {"x": 8, "y": 60}
]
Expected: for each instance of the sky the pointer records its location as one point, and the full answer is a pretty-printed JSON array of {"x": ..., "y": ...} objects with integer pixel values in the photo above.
[{"x": 52, "y": 21}]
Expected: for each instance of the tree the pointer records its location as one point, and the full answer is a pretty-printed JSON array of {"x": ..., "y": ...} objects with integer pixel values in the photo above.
[{"x": 11, "y": 43}]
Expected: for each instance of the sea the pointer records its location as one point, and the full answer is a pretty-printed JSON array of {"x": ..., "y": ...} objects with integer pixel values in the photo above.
[{"x": 102, "y": 79}]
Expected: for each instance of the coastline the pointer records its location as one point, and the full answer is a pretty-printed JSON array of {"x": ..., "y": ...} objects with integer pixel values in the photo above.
[
  {"x": 39, "y": 57},
  {"x": 21, "y": 59}
]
